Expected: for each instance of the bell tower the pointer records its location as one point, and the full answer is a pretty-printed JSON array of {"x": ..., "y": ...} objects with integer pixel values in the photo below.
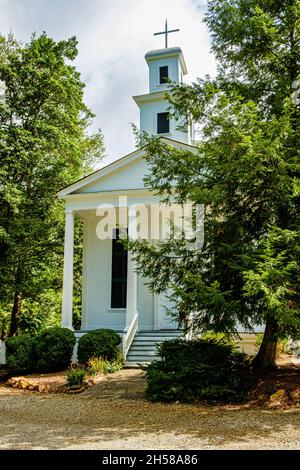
[{"x": 164, "y": 64}]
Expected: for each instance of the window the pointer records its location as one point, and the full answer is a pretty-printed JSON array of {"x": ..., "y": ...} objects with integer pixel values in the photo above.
[
  {"x": 118, "y": 273},
  {"x": 163, "y": 74},
  {"x": 163, "y": 123}
]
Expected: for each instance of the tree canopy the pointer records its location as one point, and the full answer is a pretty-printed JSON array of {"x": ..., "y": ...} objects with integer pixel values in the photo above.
[{"x": 44, "y": 145}]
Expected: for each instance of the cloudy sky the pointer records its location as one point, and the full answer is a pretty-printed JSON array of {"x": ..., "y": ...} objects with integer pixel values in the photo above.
[{"x": 114, "y": 36}]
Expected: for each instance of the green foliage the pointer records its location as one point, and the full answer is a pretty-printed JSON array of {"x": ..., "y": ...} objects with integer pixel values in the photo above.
[
  {"x": 97, "y": 365},
  {"x": 258, "y": 341},
  {"x": 102, "y": 343},
  {"x": 211, "y": 370},
  {"x": 283, "y": 346},
  {"x": 53, "y": 349},
  {"x": 45, "y": 145},
  {"x": 238, "y": 150},
  {"x": 75, "y": 376},
  {"x": 20, "y": 353},
  {"x": 4, "y": 320},
  {"x": 275, "y": 278},
  {"x": 41, "y": 313},
  {"x": 256, "y": 43},
  {"x": 50, "y": 350},
  {"x": 212, "y": 335}
]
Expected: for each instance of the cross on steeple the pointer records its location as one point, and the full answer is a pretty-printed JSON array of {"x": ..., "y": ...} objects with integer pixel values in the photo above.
[{"x": 166, "y": 32}]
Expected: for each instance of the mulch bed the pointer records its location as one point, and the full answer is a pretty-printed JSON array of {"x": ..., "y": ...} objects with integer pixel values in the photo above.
[{"x": 276, "y": 388}]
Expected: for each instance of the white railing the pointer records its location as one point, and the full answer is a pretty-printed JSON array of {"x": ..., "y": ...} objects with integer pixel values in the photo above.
[
  {"x": 128, "y": 336},
  {"x": 190, "y": 325}
]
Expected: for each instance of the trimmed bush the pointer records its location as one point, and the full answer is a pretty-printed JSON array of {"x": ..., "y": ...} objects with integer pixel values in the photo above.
[
  {"x": 20, "y": 353},
  {"x": 54, "y": 348},
  {"x": 98, "y": 343},
  {"x": 211, "y": 370}
]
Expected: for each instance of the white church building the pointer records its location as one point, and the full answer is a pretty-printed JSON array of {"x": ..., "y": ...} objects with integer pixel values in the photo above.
[{"x": 114, "y": 295}]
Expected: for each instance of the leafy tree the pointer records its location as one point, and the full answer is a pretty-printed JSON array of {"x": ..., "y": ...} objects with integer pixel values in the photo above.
[
  {"x": 44, "y": 145},
  {"x": 245, "y": 170},
  {"x": 256, "y": 43}
]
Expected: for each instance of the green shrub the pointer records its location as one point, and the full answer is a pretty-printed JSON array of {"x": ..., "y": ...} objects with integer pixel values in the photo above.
[
  {"x": 54, "y": 348},
  {"x": 212, "y": 370},
  {"x": 117, "y": 363},
  {"x": 98, "y": 343},
  {"x": 98, "y": 364},
  {"x": 258, "y": 341},
  {"x": 218, "y": 336},
  {"x": 75, "y": 376},
  {"x": 20, "y": 353},
  {"x": 282, "y": 346}
]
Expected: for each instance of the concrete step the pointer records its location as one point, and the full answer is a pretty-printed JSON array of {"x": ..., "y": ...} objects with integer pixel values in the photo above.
[
  {"x": 133, "y": 365},
  {"x": 140, "y": 349},
  {"x": 161, "y": 332},
  {"x": 142, "y": 353},
  {"x": 155, "y": 335},
  {"x": 143, "y": 348},
  {"x": 153, "y": 338},
  {"x": 140, "y": 359}
]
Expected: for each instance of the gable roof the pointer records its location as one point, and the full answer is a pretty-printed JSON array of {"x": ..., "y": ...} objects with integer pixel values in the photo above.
[{"x": 116, "y": 165}]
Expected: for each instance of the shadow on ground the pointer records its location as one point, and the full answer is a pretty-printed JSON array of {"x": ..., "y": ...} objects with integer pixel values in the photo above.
[{"x": 127, "y": 421}]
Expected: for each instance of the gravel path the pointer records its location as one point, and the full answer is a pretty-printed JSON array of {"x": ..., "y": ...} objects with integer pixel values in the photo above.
[{"x": 29, "y": 420}]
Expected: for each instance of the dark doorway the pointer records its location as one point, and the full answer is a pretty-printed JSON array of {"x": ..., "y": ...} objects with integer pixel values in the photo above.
[{"x": 118, "y": 273}]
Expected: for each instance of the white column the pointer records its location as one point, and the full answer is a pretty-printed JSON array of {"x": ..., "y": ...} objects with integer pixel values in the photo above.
[
  {"x": 131, "y": 304},
  {"x": 67, "y": 300}
]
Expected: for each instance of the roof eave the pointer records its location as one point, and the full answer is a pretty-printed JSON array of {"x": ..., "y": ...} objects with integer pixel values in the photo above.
[{"x": 88, "y": 179}]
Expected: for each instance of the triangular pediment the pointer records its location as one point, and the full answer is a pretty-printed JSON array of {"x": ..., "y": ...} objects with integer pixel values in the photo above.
[{"x": 126, "y": 173}]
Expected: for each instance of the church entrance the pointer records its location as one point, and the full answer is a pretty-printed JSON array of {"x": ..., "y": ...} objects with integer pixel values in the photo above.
[{"x": 118, "y": 273}]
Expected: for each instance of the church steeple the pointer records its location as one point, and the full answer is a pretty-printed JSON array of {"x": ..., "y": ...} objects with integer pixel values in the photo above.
[{"x": 164, "y": 64}]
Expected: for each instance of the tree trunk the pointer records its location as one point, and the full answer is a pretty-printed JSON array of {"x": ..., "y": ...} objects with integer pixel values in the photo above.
[
  {"x": 266, "y": 355},
  {"x": 15, "y": 315}
]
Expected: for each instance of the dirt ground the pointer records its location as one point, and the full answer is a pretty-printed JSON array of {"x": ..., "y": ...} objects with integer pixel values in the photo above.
[{"x": 114, "y": 415}]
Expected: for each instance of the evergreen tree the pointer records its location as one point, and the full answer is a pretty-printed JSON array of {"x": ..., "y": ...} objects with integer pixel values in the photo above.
[{"x": 245, "y": 171}]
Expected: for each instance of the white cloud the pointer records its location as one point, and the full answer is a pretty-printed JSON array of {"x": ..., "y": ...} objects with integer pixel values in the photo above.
[{"x": 114, "y": 36}]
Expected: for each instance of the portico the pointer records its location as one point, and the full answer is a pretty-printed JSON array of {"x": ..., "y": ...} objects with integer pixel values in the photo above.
[{"x": 97, "y": 309}]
